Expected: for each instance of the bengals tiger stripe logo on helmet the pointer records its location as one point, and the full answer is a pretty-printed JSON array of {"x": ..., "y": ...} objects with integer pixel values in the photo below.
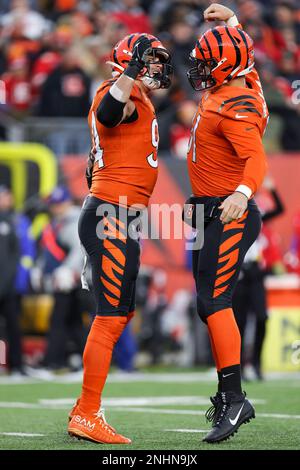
[
  {"x": 122, "y": 53},
  {"x": 221, "y": 54}
]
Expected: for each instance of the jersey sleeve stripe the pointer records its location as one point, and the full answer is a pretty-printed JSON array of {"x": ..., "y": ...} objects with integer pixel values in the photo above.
[
  {"x": 236, "y": 98},
  {"x": 242, "y": 103},
  {"x": 249, "y": 110}
]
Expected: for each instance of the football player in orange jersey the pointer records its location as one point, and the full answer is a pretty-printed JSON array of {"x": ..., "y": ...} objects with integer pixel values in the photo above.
[
  {"x": 121, "y": 174},
  {"x": 227, "y": 164}
]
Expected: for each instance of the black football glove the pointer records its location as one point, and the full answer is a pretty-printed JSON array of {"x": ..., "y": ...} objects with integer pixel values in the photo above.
[{"x": 141, "y": 49}]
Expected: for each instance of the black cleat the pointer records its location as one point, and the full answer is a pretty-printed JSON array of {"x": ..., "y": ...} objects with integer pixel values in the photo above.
[{"x": 228, "y": 412}]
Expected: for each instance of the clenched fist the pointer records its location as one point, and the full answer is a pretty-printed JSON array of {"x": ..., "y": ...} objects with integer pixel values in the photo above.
[
  {"x": 217, "y": 12},
  {"x": 233, "y": 207}
]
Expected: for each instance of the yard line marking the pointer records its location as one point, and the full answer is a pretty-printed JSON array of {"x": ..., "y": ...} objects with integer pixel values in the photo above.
[
  {"x": 198, "y": 412},
  {"x": 187, "y": 430},
  {"x": 21, "y": 434},
  {"x": 64, "y": 403},
  {"x": 122, "y": 377},
  {"x": 17, "y": 404},
  {"x": 277, "y": 415},
  {"x": 136, "y": 401},
  {"x": 143, "y": 401}
]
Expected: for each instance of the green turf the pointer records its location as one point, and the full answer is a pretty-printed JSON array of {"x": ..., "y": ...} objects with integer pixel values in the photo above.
[{"x": 149, "y": 431}]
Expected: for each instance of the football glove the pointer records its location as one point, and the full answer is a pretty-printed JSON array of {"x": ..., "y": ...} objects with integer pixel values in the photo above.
[{"x": 141, "y": 49}]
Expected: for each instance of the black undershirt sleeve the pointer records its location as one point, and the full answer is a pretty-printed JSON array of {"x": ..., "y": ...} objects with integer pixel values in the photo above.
[{"x": 110, "y": 111}]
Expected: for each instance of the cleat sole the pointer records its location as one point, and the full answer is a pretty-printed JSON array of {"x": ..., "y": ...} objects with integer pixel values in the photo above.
[
  {"x": 79, "y": 435},
  {"x": 227, "y": 437}
]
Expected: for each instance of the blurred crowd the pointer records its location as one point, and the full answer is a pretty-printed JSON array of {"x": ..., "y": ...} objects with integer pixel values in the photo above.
[
  {"x": 47, "y": 263},
  {"x": 53, "y": 56}
]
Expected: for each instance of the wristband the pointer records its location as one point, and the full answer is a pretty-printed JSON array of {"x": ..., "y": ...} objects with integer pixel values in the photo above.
[
  {"x": 117, "y": 93},
  {"x": 242, "y": 188},
  {"x": 232, "y": 21},
  {"x": 132, "y": 71}
]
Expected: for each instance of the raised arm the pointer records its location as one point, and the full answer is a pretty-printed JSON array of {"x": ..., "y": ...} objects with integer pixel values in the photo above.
[{"x": 116, "y": 105}]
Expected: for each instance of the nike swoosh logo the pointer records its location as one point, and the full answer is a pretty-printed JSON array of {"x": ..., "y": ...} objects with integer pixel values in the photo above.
[
  {"x": 227, "y": 375},
  {"x": 249, "y": 128},
  {"x": 239, "y": 116},
  {"x": 234, "y": 421}
]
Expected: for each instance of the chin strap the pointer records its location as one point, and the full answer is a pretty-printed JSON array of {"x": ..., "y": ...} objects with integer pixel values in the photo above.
[{"x": 151, "y": 83}]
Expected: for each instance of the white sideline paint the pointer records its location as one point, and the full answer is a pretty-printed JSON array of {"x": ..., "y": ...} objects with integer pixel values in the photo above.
[
  {"x": 21, "y": 434},
  {"x": 125, "y": 377}
]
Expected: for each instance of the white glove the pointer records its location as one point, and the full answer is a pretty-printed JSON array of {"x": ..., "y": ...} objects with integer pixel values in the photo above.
[{"x": 64, "y": 279}]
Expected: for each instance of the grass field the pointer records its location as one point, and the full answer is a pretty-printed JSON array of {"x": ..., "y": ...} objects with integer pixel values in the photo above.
[{"x": 158, "y": 411}]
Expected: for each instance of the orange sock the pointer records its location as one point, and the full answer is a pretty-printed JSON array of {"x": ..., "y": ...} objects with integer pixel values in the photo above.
[
  {"x": 225, "y": 337},
  {"x": 104, "y": 333},
  {"x": 213, "y": 349}
]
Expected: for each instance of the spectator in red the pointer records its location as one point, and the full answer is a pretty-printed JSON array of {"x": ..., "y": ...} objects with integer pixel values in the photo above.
[
  {"x": 66, "y": 92},
  {"x": 133, "y": 17},
  {"x": 18, "y": 87},
  {"x": 272, "y": 261},
  {"x": 292, "y": 258},
  {"x": 52, "y": 47}
]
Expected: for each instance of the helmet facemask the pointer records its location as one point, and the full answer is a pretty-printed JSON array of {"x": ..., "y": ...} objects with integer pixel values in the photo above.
[
  {"x": 200, "y": 75},
  {"x": 160, "y": 78}
]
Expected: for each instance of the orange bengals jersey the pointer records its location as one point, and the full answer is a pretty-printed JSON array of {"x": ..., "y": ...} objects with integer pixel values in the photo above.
[
  {"x": 125, "y": 155},
  {"x": 225, "y": 147}
]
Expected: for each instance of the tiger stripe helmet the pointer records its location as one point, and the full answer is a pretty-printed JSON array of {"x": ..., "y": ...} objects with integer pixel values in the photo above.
[
  {"x": 221, "y": 54},
  {"x": 122, "y": 53}
]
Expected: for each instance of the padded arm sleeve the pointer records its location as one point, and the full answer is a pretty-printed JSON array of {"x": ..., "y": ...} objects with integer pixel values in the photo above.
[{"x": 110, "y": 111}]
